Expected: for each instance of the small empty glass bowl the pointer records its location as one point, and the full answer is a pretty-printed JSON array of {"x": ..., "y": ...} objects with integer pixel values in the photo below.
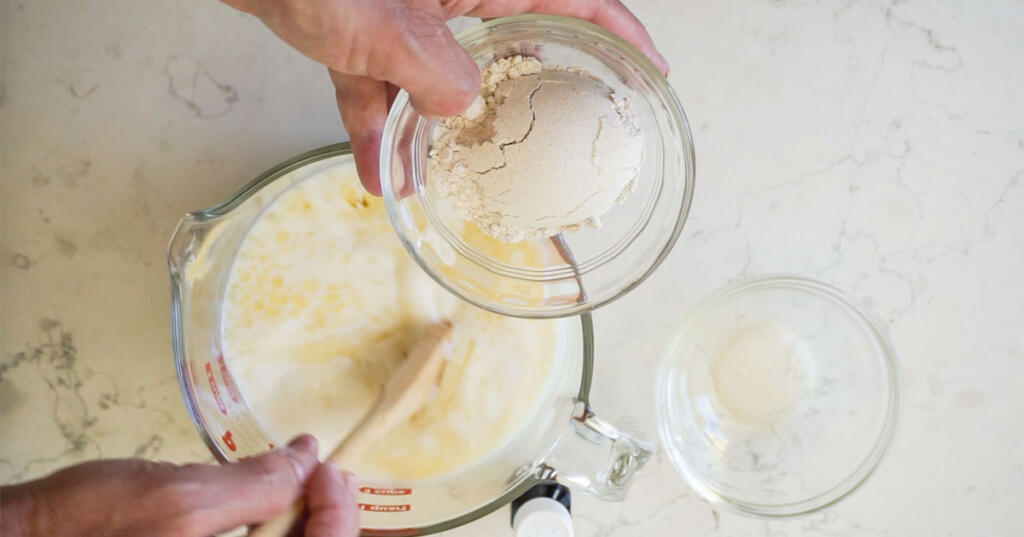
[
  {"x": 549, "y": 277},
  {"x": 778, "y": 397}
]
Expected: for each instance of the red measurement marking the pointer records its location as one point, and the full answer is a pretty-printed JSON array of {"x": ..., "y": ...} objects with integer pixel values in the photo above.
[
  {"x": 398, "y": 532},
  {"x": 228, "y": 441},
  {"x": 229, "y": 384},
  {"x": 385, "y": 492},
  {"x": 383, "y": 508},
  {"x": 215, "y": 389}
]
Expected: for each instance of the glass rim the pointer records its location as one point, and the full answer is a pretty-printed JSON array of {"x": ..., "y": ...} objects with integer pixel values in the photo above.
[
  {"x": 871, "y": 458},
  {"x": 665, "y": 93}
]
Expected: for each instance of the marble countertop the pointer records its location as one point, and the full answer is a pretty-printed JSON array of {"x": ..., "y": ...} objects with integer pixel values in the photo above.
[{"x": 878, "y": 145}]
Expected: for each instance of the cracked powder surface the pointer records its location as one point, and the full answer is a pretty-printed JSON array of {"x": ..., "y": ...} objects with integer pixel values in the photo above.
[{"x": 541, "y": 151}]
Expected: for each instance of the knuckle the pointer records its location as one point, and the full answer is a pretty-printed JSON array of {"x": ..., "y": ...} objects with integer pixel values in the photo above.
[
  {"x": 308, "y": 18},
  {"x": 269, "y": 465},
  {"x": 170, "y": 489},
  {"x": 275, "y": 469},
  {"x": 174, "y": 492},
  {"x": 175, "y": 497},
  {"x": 350, "y": 51}
]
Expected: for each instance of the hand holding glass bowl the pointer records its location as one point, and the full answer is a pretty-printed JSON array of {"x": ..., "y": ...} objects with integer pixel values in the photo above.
[{"x": 585, "y": 269}]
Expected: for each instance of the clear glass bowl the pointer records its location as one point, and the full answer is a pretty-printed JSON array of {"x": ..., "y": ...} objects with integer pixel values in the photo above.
[
  {"x": 778, "y": 397},
  {"x": 608, "y": 261}
]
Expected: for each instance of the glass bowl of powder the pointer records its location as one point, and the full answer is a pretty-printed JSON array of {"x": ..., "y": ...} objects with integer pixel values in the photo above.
[{"x": 562, "y": 187}]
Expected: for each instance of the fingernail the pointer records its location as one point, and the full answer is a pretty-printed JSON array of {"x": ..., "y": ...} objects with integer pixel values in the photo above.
[
  {"x": 665, "y": 69},
  {"x": 348, "y": 478},
  {"x": 351, "y": 482},
  {"x": 304, "y": 442}
]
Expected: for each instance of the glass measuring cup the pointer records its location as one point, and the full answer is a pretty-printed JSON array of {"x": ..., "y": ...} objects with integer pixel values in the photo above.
[{"x": 566, "y": 439}]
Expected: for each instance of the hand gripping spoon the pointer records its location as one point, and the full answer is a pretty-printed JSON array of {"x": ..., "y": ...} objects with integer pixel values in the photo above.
[{"x": 407, "y": 390}]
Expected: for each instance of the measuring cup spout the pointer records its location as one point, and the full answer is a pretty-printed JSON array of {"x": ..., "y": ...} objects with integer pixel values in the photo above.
[{"x": 184, "y": 243}]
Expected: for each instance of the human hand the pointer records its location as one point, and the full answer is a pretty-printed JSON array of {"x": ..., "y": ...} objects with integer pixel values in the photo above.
[
  {"x": 135, "y": 497},
  {"x": 373, "y": 47}
]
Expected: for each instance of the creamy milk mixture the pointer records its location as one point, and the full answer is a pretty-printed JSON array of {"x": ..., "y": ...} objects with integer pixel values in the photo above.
[{"x": 322, "y": 304}]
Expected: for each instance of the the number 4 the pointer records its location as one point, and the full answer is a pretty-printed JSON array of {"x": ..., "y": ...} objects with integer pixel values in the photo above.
[{"x": 228, "y": 441}]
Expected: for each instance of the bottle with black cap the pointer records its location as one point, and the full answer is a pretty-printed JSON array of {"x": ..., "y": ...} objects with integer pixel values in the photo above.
[{"x": 543, "y": 511}]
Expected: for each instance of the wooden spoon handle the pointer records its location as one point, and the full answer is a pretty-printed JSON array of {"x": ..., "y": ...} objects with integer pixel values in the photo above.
[
  {"x": 282, "y": 522},
  {"x": 407, "y": 390},
  {"x": 344, "y": 456}
]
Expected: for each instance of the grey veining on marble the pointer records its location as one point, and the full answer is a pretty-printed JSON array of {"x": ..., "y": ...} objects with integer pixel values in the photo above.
[{"x": 878, "y": 145}]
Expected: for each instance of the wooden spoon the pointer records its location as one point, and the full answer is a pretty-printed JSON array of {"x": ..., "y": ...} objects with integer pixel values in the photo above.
[{"x": 406, "y": 391}]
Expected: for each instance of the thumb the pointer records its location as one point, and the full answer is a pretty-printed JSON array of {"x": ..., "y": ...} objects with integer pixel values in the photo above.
[
  {"x": 333, "y": 511},
  {"x": 253, "y": 490},
  {"x": 429, "y": 63}
]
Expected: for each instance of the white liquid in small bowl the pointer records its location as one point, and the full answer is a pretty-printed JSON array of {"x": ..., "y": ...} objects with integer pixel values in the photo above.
[{"x": 759, "y": 374}]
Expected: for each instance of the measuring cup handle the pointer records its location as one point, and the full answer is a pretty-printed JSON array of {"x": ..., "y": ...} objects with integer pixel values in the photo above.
[{"x": 599, "y": 457}]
